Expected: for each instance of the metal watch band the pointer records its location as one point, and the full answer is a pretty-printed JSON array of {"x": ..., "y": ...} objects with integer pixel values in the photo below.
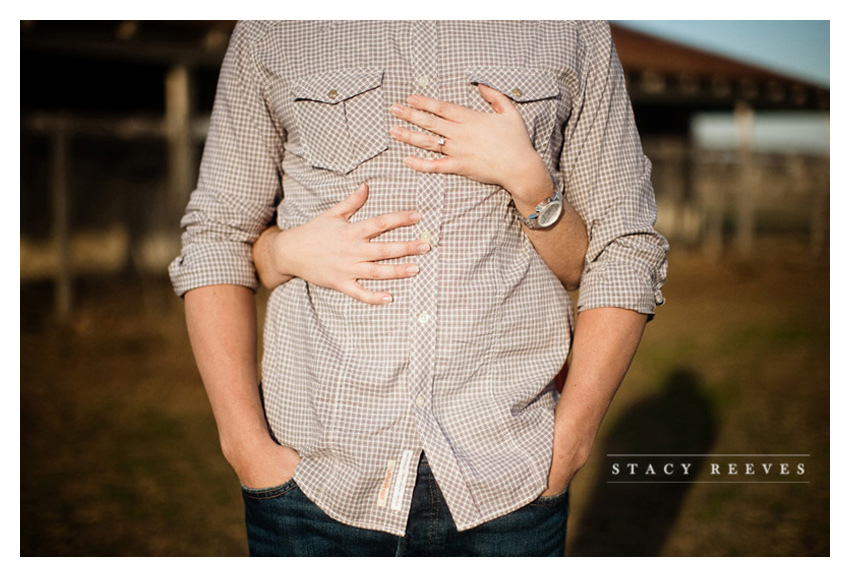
[{"x": 546, "y": 213}]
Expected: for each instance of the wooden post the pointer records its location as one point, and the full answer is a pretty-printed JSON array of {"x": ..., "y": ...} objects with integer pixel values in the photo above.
[
  {"x": 63, "y": 295},
  {"x": 746, "y": 189},
  {"x": 820, "y": 207},
  {"x": 179, "y": 93},
  {"x": 712, "y": 192},
  {"x": 692, "y": 232}
]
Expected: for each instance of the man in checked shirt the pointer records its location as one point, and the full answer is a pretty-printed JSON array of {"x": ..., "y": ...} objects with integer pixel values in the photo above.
[{"x": 438, "y": 187}]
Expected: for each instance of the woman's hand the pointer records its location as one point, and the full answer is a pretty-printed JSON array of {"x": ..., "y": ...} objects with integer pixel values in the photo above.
[
  {"x": 331, "y": 252},
  {"x": 492, "y": 148}
]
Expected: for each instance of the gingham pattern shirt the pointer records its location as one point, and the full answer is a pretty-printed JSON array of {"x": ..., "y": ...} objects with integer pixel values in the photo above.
[{"x": 460, "y": 365}]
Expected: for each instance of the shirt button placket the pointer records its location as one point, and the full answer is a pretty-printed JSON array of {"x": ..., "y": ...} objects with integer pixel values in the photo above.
[
  {"x": 428, "y": 236},
  {"x": 429, "y": 196}
]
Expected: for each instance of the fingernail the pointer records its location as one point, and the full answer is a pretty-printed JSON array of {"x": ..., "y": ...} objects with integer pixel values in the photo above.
[
  {"x": 424, "y": 247},
  {"x": 396, "y": 109},
  {"x": 412, "y": 269},
  {"x": 387, "y": 299},
  {"x": 395, "y": 131},
  {"x": 415, "y": 217},
  {"x": 412, "y": 99}
]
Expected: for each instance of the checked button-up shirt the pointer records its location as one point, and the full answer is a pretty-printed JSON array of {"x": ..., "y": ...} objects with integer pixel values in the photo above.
[{"x": 461, "y": 364}]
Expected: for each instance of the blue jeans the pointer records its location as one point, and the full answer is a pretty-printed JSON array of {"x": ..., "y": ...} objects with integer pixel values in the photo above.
[{"x": 282, "y": 521}]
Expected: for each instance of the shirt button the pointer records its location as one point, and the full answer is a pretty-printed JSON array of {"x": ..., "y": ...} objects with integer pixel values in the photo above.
[
  {"x": 516, "y": 92},
  {"x": 425, "y": 235},
  {"x": 423, "y": 318},
  {"x": 424, "y": 81},
  {"x": 420, "y": 401},
  {"x": 332, "y": 94}
]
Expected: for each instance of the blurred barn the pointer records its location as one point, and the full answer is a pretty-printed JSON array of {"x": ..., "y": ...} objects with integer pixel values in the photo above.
[{"x": 111, "y": 139}]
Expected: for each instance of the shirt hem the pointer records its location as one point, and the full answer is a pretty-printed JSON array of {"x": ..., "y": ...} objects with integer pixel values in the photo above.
[
  {"x": 336, "y": 516},
  {"x": 526, "y": 500}
]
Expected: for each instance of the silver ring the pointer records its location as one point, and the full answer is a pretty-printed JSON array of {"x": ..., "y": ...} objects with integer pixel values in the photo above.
[{"x": 441, "y": 141}]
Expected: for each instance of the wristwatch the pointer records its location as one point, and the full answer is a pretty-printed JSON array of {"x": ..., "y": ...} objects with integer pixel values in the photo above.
[{"x": 546, "y": 214}]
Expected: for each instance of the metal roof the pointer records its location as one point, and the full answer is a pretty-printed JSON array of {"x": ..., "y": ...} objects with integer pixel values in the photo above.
[{"x": 665, "y": 72}]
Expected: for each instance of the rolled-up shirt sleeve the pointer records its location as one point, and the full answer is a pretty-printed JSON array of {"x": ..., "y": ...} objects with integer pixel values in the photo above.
[
  {"x": 607, "y": 180},
  {"x": 239, "y": 185}
]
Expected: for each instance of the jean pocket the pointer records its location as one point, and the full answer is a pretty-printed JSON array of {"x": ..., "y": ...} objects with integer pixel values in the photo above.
[
  {"x": 341, "y": 117},
  {"x": 556, "y": 500},
  {"x": 269, "y": 492}
]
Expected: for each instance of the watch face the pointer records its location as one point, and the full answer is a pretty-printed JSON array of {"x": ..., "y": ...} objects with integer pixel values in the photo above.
[{"x": 549, "y": 215}]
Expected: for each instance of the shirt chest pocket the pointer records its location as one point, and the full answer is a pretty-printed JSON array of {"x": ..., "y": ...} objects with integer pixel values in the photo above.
[
  {"x": 340, "y": 116},
  {"x": 535, "y": 94}
]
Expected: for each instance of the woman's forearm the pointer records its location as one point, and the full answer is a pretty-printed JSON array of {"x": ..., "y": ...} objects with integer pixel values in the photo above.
[
  {"x": 265, "y": 252},
  {"x": 562, "y": 246},
  {"x": 495, "y": 148}
]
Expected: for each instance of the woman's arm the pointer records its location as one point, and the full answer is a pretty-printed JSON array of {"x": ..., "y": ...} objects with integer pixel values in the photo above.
[
  {"x": 332, "y": 252},
  {"x": 489, "y": 148},
  {"x": 494, "y": 148}
]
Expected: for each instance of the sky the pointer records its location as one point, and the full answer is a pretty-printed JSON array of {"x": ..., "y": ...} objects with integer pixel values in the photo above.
[{"x": 799, "y": 48}]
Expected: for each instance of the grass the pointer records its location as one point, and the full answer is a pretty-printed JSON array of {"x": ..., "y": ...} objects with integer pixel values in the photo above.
[
  {"x": 737, "y": 362},
  {"x": 119, "y": 453}
]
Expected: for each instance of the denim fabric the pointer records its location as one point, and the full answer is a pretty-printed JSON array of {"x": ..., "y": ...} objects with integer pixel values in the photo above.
[{"x": 282, "y": 521}]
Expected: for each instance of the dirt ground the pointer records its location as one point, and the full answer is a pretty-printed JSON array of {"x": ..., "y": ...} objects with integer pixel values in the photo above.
[{"x": 119, "y": 453}]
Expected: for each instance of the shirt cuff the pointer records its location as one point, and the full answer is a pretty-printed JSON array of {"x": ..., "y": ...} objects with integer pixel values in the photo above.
[
  {"x": 617, "y": 284},
  {"x": 213, "y": 264}
]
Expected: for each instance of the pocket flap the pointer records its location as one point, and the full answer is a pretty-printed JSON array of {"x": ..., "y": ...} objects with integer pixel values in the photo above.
[
  {"x": 336, "y": 86},
  {"x": 518, "y": 84}
]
